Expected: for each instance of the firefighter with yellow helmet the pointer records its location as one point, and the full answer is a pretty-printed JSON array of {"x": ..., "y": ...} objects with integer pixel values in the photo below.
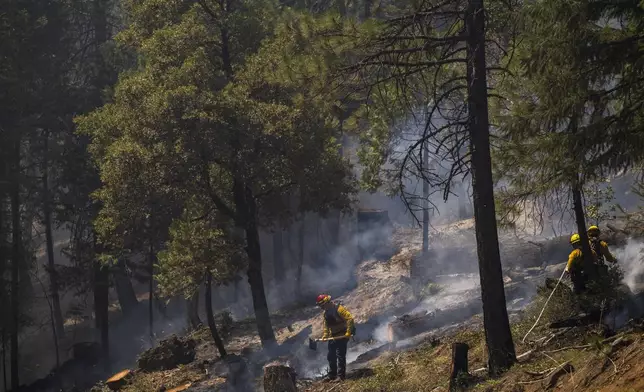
[
  {"x": 575, "y": 265},
  {"x": 599, "y": 247}
]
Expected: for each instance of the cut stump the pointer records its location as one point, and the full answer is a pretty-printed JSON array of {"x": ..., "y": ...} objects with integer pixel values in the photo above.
[
  {"x": 459, "y": 371},
  {"x": 279, "y": 378},
  {"x": 119, "y": 380}
]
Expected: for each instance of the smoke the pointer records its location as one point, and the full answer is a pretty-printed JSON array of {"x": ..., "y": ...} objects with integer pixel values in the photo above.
[{"x": 631, "y": 260}]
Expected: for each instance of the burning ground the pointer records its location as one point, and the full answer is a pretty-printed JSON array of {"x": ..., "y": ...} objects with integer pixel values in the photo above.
[{"x": 405, "y": 323}]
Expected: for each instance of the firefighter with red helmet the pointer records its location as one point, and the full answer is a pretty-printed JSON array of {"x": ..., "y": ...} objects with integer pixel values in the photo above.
[{"x": 338, "y": 329}]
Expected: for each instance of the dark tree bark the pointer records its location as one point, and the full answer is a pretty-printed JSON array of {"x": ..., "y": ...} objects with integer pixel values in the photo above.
[
  {"x": 192, "y": 305},
  {"x": 425, "y": 165},
  {"x": 211, "y": 317},
  {"x": 101, "y": 309},
  {"x": 4, "y": 359},
  {"x": 501, "y": 353},
  {"x": 367, "y": 8},
  {"x": 580, "y": 218},
  {"x": 16, "y": 264},
  {"x": 246, "y": 208},
  {"x": 59, "y": 323},
  {"x": 151, "y": 260},
  {"x": 124, "y": 290},
  {"x": 459, "y": 365},
  {"x": 278, "y": 257},
  {"x": 300, "y": 259}
]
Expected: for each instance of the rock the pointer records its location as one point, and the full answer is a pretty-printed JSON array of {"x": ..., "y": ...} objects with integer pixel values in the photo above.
[{"x": 168, "y": 354}]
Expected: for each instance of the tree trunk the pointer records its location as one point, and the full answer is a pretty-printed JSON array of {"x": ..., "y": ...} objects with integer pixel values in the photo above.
[
  {"x": 16, "y": 264},
  {"x": 246, "y": 218},
  {"x": 101, "y": 309},
  {"x": 151, "y": 258},
  {"x": 192, "y": 305},
  {"x": 53, "y": 278},
  {"x": 367, "y": 8},
  {"x": 501, "y": 354},
  {"x": 278, "y": 257},
  {"x": 256, "y": 281},
  {"x": 124, "y": 290},
  {"x": 424, "y": 156},
  {"x": 300, "y": 259},
  {"x": 211, "y": 317},
  {"x": 589, "y": 264},
  {"x": 4, "y": 359}
]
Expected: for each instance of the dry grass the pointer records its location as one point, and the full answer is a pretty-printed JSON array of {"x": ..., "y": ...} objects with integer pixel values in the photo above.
[
  {"x": 426, "y": 368},
  {"x": 146, "y": 382}
]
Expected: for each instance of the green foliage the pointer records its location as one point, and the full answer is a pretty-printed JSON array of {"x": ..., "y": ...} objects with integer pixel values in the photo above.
[
  {"x": 564, "y": 118},
  {"x": 196, "y": 245},
  {"x": 600, "y": 204}
]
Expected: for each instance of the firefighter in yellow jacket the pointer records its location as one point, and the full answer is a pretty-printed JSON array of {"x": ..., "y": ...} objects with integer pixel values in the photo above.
[
  {"x": 338, "y": 327},
  {"x": 599, "y": 247},
  {"x": 575, "y": 265}
]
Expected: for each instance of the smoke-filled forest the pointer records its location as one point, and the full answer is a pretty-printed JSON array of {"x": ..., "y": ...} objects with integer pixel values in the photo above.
[{"x": 194, "y": 194}]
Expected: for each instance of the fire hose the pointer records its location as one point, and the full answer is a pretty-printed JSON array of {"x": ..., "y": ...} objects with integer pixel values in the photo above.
[{"x": 544, "y": 306}]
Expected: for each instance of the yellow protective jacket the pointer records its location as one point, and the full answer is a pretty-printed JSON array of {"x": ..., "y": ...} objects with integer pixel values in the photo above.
[
  {"x": 575, "y": 261},
  {"x": 602, "y": 249},
  {"x": 337, "y": 322}
]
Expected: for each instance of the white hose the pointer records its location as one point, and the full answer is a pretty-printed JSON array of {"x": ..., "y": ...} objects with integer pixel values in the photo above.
[{"x": 544, "y": 306}]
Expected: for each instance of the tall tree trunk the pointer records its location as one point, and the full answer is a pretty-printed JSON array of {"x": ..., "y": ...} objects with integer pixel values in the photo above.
[
  {"x": 246, "y": 208},
  {"x": 211, "y": 317},
  {"x": 151, "y": 259},
  {"x": 59, "y": 322},
  {"x": 578, "y": 206},
  {"x": 300, "y": 258},
  {"x": 501, "y": 353},
  {"x": 256, "y": 281},
  {"x": 124, "y": 290},
  {"x": 367, "y": 8},
  {"x": 16, "y": 264},
  {"x": 192, "y": 305},
  {"x": 278, "y": 257},
  {"x": 4, "y": 359},
  {"x": 101, "y": 308},
  {"x": 424, "y": 157}
]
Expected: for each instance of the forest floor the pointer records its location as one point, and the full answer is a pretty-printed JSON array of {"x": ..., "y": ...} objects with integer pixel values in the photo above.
[{"x": 573, "y": 359}]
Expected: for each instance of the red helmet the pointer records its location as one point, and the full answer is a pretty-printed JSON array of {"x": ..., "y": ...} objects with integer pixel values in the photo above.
[{"x": 322, "y": 299}]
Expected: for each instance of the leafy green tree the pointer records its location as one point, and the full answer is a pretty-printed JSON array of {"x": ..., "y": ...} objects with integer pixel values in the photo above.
[
  {"x": 202, "y": 117},
  {"x": 567, "y": 119},
  {"x": 200, "y": 247}
]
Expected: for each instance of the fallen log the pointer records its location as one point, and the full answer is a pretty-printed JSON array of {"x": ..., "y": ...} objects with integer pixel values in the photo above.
[
  {"x": 459, "y": 370},
  {"x": 279, "y": 378},
  {"x": 119, "y": 380}
]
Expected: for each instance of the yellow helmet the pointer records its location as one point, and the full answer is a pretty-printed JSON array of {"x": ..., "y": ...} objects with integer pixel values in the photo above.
[
  {"x": 593, "y": 230},
  {"x": 574, "y": 239}
]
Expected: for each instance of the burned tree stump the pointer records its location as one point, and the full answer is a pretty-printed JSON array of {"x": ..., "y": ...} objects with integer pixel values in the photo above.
[
  {"x": 279, "y": 378},
  {"x": 459, "y": 373}
]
